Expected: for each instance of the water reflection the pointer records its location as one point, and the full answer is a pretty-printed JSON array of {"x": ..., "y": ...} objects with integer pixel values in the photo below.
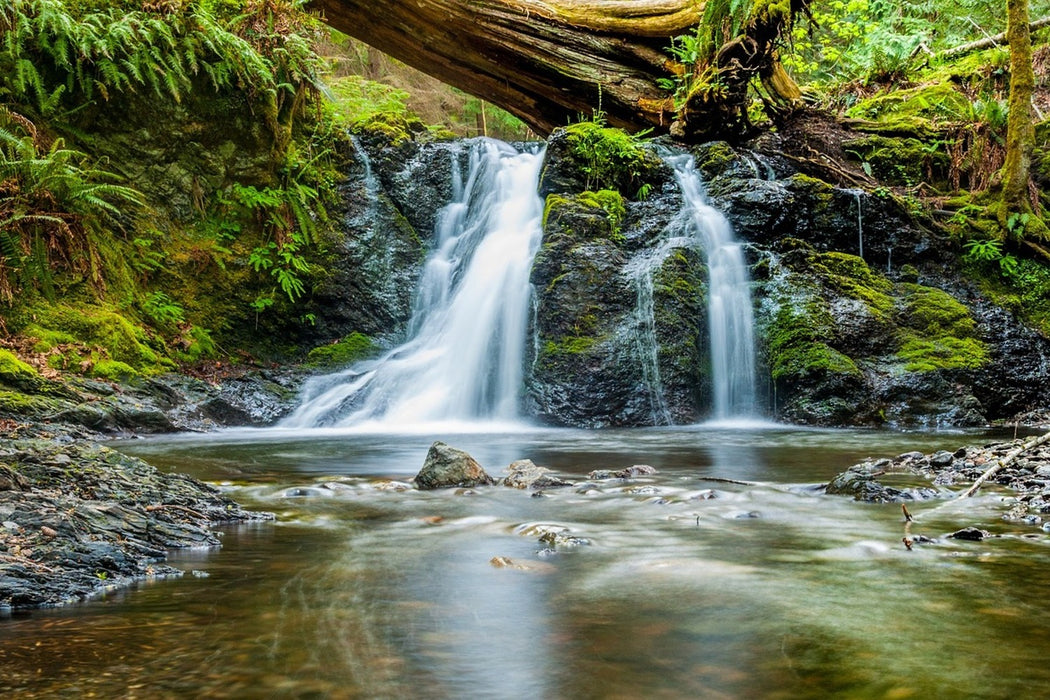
[{"x": 687, "y": 588}]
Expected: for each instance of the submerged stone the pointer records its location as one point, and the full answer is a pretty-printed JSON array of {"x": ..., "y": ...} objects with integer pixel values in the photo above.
[{"x": 524, "y": 474}]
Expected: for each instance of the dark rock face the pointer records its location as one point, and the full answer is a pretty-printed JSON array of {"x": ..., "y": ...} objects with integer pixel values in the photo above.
[
  {"x": 620, "y": 310},
  {"x": 76, "y": 519},
  {"x": 389, "y": 210},
  {"x": 447, "y": 467}
]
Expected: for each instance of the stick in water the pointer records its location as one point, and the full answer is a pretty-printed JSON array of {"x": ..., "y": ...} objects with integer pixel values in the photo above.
[{"x": 1003, "y": 463}]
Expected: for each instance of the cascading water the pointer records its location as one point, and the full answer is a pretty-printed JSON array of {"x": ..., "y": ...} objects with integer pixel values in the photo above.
[
  {"x": 729, "y": 309},
  {"x": 463, "y": 360},
  {"x": 860, "y": 220}
]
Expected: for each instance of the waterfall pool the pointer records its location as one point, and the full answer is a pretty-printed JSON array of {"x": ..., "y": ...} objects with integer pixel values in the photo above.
[{"x": 686, "y": 587}]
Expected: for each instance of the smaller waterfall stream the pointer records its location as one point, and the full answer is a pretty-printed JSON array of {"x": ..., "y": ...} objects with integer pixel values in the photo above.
[
  {"x": 463, "y": 357},
  {"x": 730, "y": 313}
]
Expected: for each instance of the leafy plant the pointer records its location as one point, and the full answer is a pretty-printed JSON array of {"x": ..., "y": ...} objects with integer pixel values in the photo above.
[
  {"x": 991, "y": 251},
  {"x": 50, "y": 198}
]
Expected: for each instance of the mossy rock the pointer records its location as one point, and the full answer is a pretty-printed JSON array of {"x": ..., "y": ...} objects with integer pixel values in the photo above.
[
  {"x": 589, "y": 156},
  {"x": 935, "y": 313},
  {"x": 110, "y": 335},
  {"x": 901, "y": 161},
  {"x": 353, "y": 348},
  {"x": 850, "y": 276},
  {"x": 796, "y": 346},
  {"x": 908, "y": 110},
  {"x": 397, "y": 128},
  {"x": 575, "y": 215},
  {"x": 14, "y": 372},
  {"x": 114, "y": 370},
  {"x": 937, "y": 332},
  {"x": 931, "y": 354}
]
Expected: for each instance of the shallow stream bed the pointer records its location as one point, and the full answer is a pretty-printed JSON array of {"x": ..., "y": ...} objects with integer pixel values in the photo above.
[{"x": 665, "y": 586}]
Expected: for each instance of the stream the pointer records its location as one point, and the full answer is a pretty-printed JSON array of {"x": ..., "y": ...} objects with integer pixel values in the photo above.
[{"x": 684, "y": 587}]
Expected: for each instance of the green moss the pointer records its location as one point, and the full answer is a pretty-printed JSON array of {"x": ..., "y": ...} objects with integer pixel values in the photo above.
[
  {"x": 933, "y": 312},
  {"x": 713, "y": 159},
  {"x": 569, "y": 345},
  {"x": 820, "y": 193},
  {"x": 17, "y": 404},
  {"x": 610, "y": 201},
  {"x": 352, "y": 348},
  {"x": 908, "y": 109},
  {"x": 110, "y": 335},
  {"x": 927, "y": 355},
  {"x": 13, "y": 369},
  {"x": 396, "y": 127},
  {"x": 610, "y": 158},
  {"x": 937, "y": 332},
  {"x": 851, "y": 276},
  {"x": 796, "y": 348},
  {"x": 904, "y": 161},
  {"x": 112, "y": 369}
]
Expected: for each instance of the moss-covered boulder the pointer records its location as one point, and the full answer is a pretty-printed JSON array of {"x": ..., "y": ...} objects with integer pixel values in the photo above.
[{"x": 589, "y": 156}]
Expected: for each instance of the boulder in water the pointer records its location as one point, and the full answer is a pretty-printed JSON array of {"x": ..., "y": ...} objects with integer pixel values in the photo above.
[
  {"x": 524, "y": 474},
  {"x": 447, "y": 467}
]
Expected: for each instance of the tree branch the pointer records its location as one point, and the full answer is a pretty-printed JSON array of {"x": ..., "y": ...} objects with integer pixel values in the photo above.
[{"x": 989, "y": 42}]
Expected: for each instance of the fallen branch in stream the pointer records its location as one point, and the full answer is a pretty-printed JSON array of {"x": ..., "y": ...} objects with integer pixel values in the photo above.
[
  {"x": 722, "y": 480},
  {"x": 1003, "y": 463},
  {"x": 907, "y": 540}
]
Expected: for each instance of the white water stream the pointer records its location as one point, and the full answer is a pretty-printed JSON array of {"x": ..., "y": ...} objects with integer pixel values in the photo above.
[
  {"x": 464, "y": 356},
  {"x": 729, "y": 309}
]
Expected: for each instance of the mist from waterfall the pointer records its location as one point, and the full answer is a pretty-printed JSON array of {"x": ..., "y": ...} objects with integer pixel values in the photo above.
[{"x": 463, "y": 359}]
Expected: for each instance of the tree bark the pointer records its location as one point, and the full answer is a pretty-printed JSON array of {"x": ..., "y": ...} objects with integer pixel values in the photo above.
[
  {"x": 550, "y": 61},
  {"x": 1020, "y": 125}
]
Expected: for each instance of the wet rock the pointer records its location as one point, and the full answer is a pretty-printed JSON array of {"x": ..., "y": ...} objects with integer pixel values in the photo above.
[
  {"x": 861, "y": 482},
  {"x": 627, "y": 473},
  {"x": 447, "y": 467},
  {"x": 941, "y": 458},
  {"x": 562, "y": 538},
  {"x": 87, "y": 517},
  {"x": 971, "y": 534},
  {"x": 524, "y": 474}
]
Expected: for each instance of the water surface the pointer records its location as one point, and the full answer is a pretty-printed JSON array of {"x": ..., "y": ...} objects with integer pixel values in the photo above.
[{"x": 688, "y": 588}]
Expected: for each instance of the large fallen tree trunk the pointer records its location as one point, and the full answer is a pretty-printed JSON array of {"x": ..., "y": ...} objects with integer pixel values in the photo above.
[{"x": 548, "y": 62}]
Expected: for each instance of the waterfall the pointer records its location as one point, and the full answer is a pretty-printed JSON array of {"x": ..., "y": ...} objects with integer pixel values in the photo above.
[
  {"x": 729, "y": 310},
  {"x": 860, "y": 220},
  {"x": 465, "y": 349}
]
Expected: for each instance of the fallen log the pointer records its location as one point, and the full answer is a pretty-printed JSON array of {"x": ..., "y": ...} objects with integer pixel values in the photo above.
[
  {"x": 550, "y": 61},
  {"x": 988, "y": 42}
]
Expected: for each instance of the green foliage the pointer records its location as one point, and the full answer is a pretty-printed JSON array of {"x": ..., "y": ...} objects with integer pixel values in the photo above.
[
  {"x": 50, "y": 198},
  {"x": 351, "y": 349},
  {"x": 991, "y": 251},
  {"x": 57, "y": 56},
  {"x": 880, "y": 40},
  {"x": 610, "y": 158},
  {"x": 162, "y": 310}
]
